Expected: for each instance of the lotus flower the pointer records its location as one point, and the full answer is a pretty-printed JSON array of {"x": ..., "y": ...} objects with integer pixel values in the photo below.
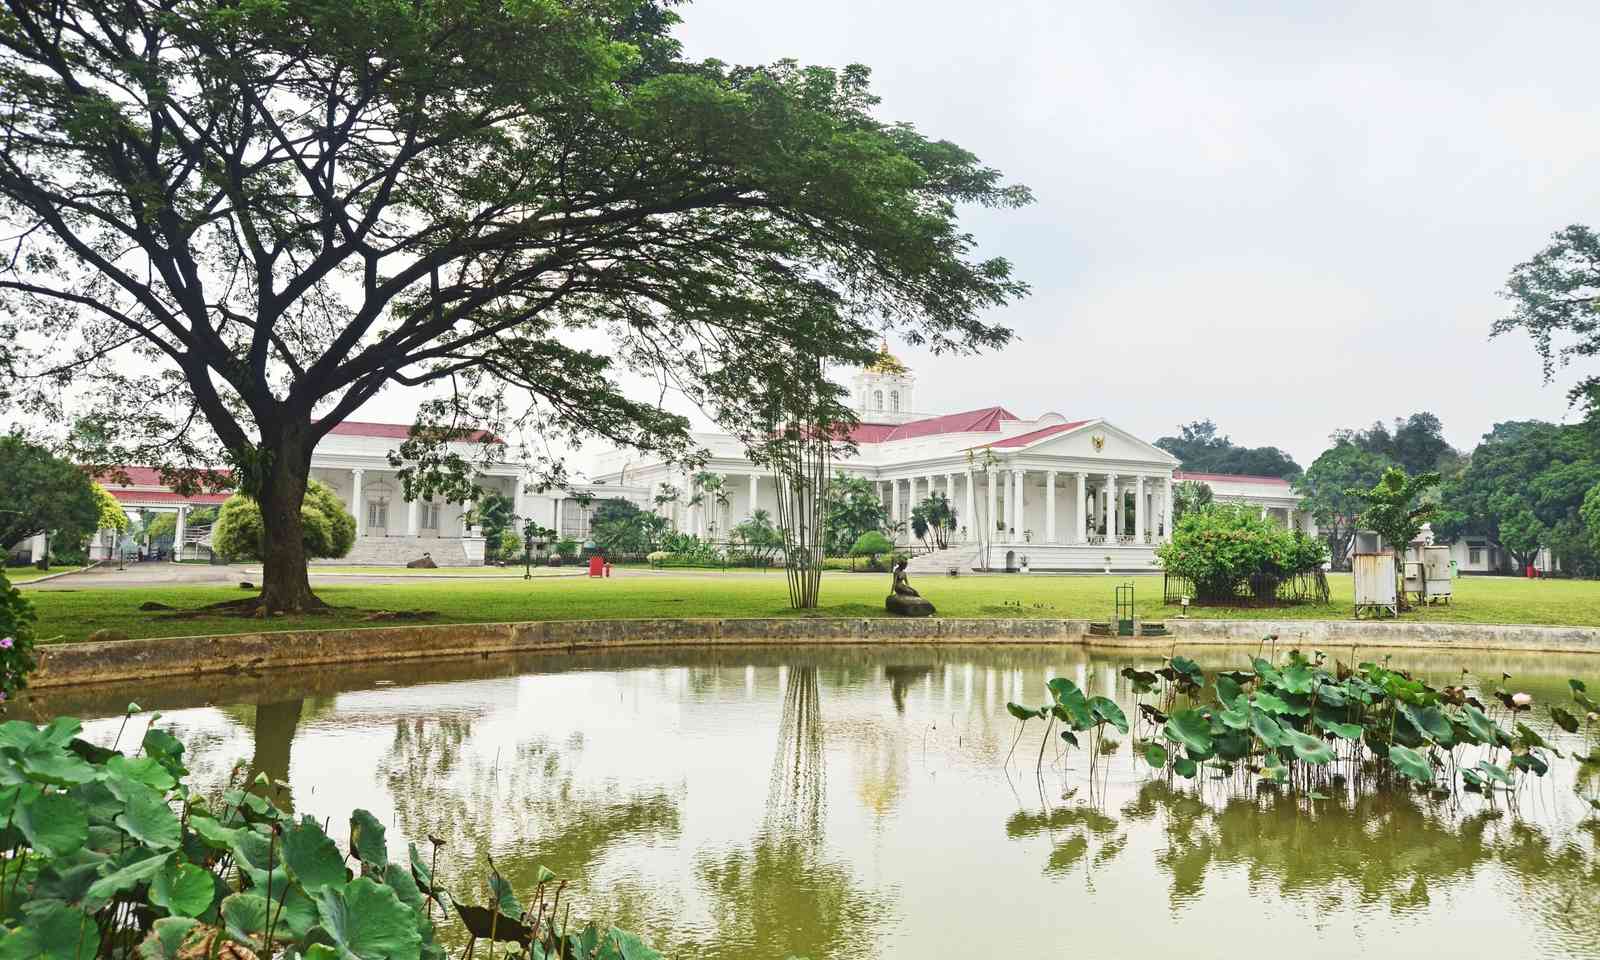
[
  {"x": 6, "y": 643},
  {"x": 1521, "y": 701}
]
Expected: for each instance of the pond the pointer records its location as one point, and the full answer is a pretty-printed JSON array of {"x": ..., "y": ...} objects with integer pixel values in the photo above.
[{"x": 858, "y": 802}]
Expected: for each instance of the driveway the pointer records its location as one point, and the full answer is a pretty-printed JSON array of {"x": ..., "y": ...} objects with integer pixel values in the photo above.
[{"x": 153, "y": 573}]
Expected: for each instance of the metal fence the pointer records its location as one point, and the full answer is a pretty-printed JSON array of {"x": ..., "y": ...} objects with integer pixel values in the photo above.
[{"x": 1264, "y": 590}]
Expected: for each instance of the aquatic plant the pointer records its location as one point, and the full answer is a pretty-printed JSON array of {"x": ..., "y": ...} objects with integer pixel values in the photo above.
[{"x": 109, "y": 853}]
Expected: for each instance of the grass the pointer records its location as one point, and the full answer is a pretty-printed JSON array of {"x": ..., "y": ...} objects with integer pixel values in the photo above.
[
  {"x": 69, "y": 615},
  {"x": 383, "y": 571},
  {"x": 30, "y": 572}
]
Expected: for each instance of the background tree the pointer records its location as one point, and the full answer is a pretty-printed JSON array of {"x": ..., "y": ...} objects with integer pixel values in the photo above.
[
  {"x": 1555, "y": 299},
  {"x": 1524, "y": 536},
  {"x": 1543, "y": 469},
  {"x": 1395, "y": 508},
  {"x": 936, "y": 518},
  {"x": 42, "y": 493},
  {"x": 1591, "y": 517},
  {"x": 711, "y": 495},
  {"x": 328, "y": 528},
  {"x": 1202, "y": 450},
  {"x": 850, "y": 508},
  {"x": 269, "y": 212},
  {"x": 1326, "y": 486},
  {"x": 757, "y": 538},
  {"x": 495, "y": 513},
  {"x": 1416, "y": 444},
  {"x": 1188, "y": 496}
]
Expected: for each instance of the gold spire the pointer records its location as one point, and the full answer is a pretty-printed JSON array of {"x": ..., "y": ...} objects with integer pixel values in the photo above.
[{"x": 887, "y": 362}]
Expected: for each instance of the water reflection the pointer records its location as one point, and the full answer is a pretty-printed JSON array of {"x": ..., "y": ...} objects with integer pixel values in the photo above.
[{"x": 852, "y": 802}]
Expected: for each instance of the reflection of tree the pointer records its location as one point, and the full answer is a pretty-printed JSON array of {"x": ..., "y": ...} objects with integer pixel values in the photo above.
[
  {"x": 1385, "y": 846},
  {"x": 796, "y": 796},
  {"x": 274, "y": 727}
]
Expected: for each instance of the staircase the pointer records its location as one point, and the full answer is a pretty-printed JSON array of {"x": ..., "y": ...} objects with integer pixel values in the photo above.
[
  {"x": 939, "y": 562},
  {"x": 398, "y": 551}
]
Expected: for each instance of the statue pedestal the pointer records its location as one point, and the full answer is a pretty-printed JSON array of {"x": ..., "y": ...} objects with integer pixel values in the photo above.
[{"x": 907, "y": 606}]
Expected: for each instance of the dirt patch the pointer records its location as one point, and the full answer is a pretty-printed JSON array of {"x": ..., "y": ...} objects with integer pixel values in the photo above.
[{"x": 152, "y": 605}]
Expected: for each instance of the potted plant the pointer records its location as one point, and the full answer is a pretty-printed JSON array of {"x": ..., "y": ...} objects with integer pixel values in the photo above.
[
  {"x": 1024, "y": 563},
  {"x": 1108, "y": 563},
  {"x": 1027, "y": 536}
]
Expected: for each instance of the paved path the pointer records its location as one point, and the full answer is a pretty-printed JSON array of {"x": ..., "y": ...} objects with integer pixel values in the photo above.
[{"x": 164, "y": 574}]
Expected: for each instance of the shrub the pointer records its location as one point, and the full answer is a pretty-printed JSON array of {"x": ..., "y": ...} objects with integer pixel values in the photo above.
[
  {"x": 1225, "y": 548},
  {"x": 658, "y": 556},
  {"x": 567, "y": 548},
  {"x": 16, "y": 638},
  {"x": 330, "y": 530},
  {"x": 112, "y": 853}
]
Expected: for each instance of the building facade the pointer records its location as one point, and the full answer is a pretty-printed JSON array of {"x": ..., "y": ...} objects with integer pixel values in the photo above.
[{"x": 1053, "y": 492}]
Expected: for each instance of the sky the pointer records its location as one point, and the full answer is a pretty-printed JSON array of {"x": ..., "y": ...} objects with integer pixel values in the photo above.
[{"x": 1287, "y": 217}]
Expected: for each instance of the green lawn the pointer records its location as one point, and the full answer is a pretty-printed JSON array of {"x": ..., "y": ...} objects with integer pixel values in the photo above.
[
  {"x": 25, "y": 574},
  {"x": 376, "y": 571},
  {"x": 73, "y": 615}
]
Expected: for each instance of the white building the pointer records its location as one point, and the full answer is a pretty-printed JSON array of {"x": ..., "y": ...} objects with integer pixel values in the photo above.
[{"x": 1067, "y": 494}]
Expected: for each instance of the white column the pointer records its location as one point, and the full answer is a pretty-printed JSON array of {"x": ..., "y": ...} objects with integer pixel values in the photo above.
[
  {"x": 413, "y": 523},
  {"x": 993, "y": 519},
  {"x": 894, "y": 493},
  {"x": 1082, "y": 511},
  {"x": 518, "y": 504},
  {"x": 1016, "y": 505},
  {"x": 555, "y": 515},
  {"x": 1139, "y": 514},
  {"x": 1263, "y": 511},
  {"x": 1050, "y": 506},
  {"x": 755, "y": 491},
  {"x": 178, "y": 532},
  {"x": 1111, "y": 508},
  {"x": 357, "y": 505},
  {"x": 971, "y": 521}
]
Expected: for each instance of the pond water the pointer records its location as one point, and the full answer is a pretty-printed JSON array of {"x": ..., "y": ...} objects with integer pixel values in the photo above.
[{"x": 849, "y": 802}]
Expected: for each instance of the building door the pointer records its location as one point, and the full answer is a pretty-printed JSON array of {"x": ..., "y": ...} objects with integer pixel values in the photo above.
[
  {"x": 430, "y": 518},
  {"x": 378, "y": 518}
]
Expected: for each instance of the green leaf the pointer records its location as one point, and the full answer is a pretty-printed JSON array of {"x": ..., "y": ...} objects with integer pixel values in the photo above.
[
  {"x": 312, "y": 856},
  {"x": 1308, "y": 748},
  {"x": 145, "y": 770},
  {"x": 1237, "y": 715},
  {"x": 53, "y": 823},
  {"x": 368, "y": 922},
  {"x": 1479, "y": 724},
  {"x": 1530, "y": 738},
  {"x": 1108, "y": 711},
  {"x": 149, "y": 820},
  {"x": 367, "y": 839},
  {"x": 1564, "y": 719},
  {"x": 1495, "y": 772},
  {"x": 1184, "y": 767},
  {"x": 215, "y": 835},
  {"x": 1344, "y": 731},
  {"x": 1297, "y": 678},
  {"x": 56, "y": 766},
  {"x": 1071, "y": 706},
  {"x": 183, "y": 888},
  {"x": 1155, "y": 755},
  {"x": 166, "y": 938},
  {"x": 1228, "y": 689},
  {"x": 1232, "y": 745},
  {"x": 1190, "y": 728},
  {"x": 629, "y": 946},
  {"x": 1431, "y": 723},
  {"x": 1266, "y": 728},
  {"x": 166, "y": 749},
  {"x": 1411, "y": 763},
  {"x": 1272, "y": 704},
  {"x": 102, "y": 891},
  {"x": 1020, "y": 712},
  {"x": 1530, "y": 762},
  {"x": 1576, "y": 685},
  {"x": 52, "y": 931},
  {"x": 245, "y": 916}
]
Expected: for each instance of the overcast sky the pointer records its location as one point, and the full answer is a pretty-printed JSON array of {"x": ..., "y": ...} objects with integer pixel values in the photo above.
[{"x": 1288, "y": 217}]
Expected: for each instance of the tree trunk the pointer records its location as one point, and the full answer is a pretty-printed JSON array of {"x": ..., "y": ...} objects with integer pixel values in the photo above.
[{"x": 285, "y": 472}]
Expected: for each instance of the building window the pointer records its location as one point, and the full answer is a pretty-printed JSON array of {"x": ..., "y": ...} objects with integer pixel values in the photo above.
[
  {"x": 430, "y": 516},
  {"x": 377, "y": 514},
  {"x": 894, "y": 401},
  {"x": 877, "y": 399},
  {"x": 1475, "y": 555}
]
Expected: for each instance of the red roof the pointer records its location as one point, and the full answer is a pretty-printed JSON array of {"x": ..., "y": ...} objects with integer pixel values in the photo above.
[
  {"x": 1239, "y": 478},
  {"x": 986, "y": 420},
  {"x": 124, "y": 495},
  {"x": 390, "y": 431},
  {"x": 1023, "y": 439},
  {"x": 144, "y": 477}
]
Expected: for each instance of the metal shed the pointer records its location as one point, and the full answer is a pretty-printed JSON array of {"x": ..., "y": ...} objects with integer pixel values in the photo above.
[{"x": 1375, "y": 583}]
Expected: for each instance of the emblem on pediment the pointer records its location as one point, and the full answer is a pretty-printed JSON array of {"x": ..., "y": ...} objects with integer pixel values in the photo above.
[{"x": 1099, "y": 442}]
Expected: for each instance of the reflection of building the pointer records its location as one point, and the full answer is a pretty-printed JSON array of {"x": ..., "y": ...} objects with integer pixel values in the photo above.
[{"x": 1067, "y": 493}]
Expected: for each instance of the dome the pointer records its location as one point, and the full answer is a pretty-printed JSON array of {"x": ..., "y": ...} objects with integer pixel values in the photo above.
[{"x": 887, "y": 362}]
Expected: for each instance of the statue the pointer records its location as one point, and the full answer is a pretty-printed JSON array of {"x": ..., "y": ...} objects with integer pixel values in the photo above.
[{"x": 904, "y": 600}]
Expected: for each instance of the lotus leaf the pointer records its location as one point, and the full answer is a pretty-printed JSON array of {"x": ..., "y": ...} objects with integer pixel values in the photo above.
[
  {"x": 367, "y": 839},
  {"x": 1308, "y": 748},
  {"x": 166, "y": 938},
  {"x": 1188, "y": 670},
  {"x": 143, "y": 769},
  {"x": 54, "y": 765},
  {"x": 166, "y": 749},
  {"x": 1232, "y": 745},
  {"x": 1155, "y": 755},
  {"x": 52, "y": 930},
  {"x": 1491, "y": 771},
  {"x": 1530, "y": 737},
  {"x": 1190, "y": 728},
  {"x": 312, "y": 856},
  {"x": 1143, "y": 680},
  {"x": 1228, "y": 689},
  {"x": 149, "y": 820},
  {"x": 1412, "y": 764},
  {"x": 1072, "y": 706},
  {"x": 1106, "y": 711},
  {"x": 1070, "y": 737},
  {"x": 1530, "y": 762},
  {"x": 1267, "y": 672},
  {"x": 1266, "y": 728},
  {"x": 1020, "y": 712},
  {"x": 104, "y": 890},
  {"x": 1431, "y": 723},
  {"x": 1297, "y": 678},
  {"x": 366, "y": 921},
  {"x": 1184, "y": 767},
  {"x": 1564, "y": 719},
  {"x": 183, "y": 888},
  {"x": 53, "y": 823}
]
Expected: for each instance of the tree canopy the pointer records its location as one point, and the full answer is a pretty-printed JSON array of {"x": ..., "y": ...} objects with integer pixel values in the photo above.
[
  {"x": 1555, "y": 299},
  {"x": 1202, "y": 450},
  {"x": 328, "y": 528},
  {"x": 259, "y": 216},
  {"x": 43, "y": 493},
  {"x": 1522, "y": 488},
  {"x": 1395, "y": 508},
  {"x": 1416, "y": 443},
  {"x": 1327, "y": 488},
  {"x": 850, "y": 508}
]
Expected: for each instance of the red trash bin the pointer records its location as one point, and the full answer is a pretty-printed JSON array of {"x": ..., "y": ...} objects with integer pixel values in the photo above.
[{"x": 597, "y": 566}]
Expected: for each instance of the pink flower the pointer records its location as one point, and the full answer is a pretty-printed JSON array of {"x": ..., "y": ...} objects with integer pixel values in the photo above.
[
  {"x": 1521, "y": 700},
  {"x": 6, "y": 643},
  {"x": 2, "y": 696}
]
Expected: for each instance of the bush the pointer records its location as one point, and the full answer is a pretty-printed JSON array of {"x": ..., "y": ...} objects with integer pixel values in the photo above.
[
  {"x": 330, "y": 530},
  {"x": 1226, "y": 550},
  {"x": 112, "y": 852},
  {"x": 16, "y": 639},
  {"x": 567, "y": 548}
]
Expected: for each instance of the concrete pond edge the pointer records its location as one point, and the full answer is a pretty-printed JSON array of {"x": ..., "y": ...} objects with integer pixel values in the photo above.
[{"x": 167, "y": 657}]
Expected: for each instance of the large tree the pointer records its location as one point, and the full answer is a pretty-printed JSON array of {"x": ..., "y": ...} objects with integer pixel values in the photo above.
[
  {"x": 279, "y": 209},
  {"x": 1522, "y": 488},
  {"x": 1555, "y": 299},
  {"x": 1202, "y": 450},
  {"x": 42, "y": 493},
  {"x": 1416, "y": 443},
  {"x": 1326, "y": 488}
]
